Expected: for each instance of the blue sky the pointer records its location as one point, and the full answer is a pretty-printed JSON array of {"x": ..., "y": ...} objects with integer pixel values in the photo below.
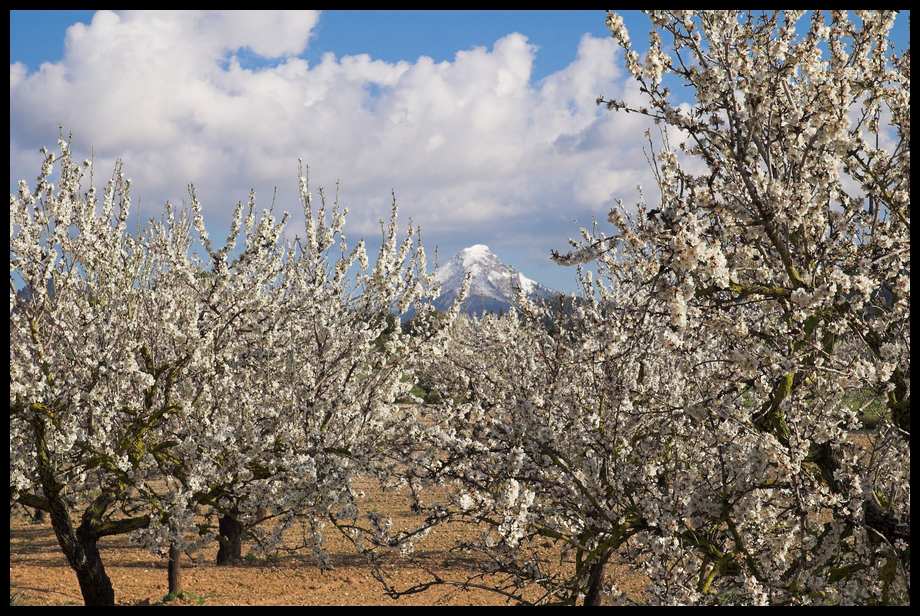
[
  {"x": 38, "y": 36},
  {"x": 484, "y": 123}
]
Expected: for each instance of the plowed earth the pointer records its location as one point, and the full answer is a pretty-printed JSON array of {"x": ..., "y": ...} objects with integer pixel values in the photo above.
[{"x": 40, "y": 575}]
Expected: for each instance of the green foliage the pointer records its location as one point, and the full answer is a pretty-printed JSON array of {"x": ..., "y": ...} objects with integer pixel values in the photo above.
[
  {"x": 418, "y": 392},
  {"x": 184, "y": 595},
  {"x": 423, "y": 391},
  {"x": 269, "y": 560},
  {"x": 392, "y": 322},
  {"x": 874, "y": 408},
  {"x": 429, "y": 389},
  {"x": 410, "y": 326}
]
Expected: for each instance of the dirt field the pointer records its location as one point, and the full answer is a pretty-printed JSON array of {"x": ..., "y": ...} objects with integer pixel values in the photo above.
[{"x": 39, "y": 574}]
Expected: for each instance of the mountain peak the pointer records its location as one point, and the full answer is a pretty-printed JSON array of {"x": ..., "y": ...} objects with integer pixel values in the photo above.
[
  {"x": 493, "y": 285},
  {"x": 476, "y": 255},
  {"x": 476, "y": 250}
]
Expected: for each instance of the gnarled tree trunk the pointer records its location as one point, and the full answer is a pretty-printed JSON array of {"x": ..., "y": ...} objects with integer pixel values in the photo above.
[
  {"x": 95, "y": 585},
  {"x": 78, "y": 545}
]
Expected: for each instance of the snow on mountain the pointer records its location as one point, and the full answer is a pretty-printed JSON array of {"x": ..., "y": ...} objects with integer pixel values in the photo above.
[{"x": 492, "y": 286}]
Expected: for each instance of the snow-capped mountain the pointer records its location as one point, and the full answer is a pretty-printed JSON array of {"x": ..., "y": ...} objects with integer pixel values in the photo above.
[{"x": 492, "y": 286}]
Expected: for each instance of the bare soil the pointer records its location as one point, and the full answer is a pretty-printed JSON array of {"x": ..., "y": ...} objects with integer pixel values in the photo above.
[{"x": 40, "y": 575}]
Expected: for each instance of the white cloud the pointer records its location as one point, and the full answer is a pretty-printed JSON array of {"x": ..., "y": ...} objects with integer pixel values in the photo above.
[{"x": 467, "y": 144}]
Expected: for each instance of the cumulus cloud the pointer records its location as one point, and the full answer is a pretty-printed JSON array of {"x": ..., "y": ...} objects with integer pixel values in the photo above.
[{"x": 468, "y": 144}]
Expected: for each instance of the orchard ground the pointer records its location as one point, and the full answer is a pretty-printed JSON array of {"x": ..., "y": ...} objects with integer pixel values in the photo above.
[{"x": 40, "y": 575}]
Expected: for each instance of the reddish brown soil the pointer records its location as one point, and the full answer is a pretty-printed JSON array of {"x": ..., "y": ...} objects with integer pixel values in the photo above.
[{"x": 40, "y": 575}]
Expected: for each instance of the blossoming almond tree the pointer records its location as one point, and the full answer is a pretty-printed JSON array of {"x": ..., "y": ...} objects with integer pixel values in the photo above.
[
  {"x": 146, "y": 384},
  {"x": 330, "y": 411},
  {"x": 803, "y": 218},
  {"x": 85, "y": 396},
  {"x": 696, "y": 418},
  {"x": 565, "y": 431},
  {"x": 236, "y": 303},
  {"x": 134, "y": 348}
]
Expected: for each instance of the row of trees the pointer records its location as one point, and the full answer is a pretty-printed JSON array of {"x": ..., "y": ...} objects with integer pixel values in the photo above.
[
  {"x": 692, "y": 416},
  {"x": 148, "y": 385}
]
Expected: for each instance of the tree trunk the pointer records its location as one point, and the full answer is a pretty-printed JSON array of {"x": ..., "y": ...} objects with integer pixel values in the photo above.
[
  {"x": 230, "y": 540},
  {"x": 95, "y": 584},
  {"x": 174, "y": 570},
  {"x": 82, "y": 552},
  {"x": 38, "y": 517},
  {"x": 78, "y": 545},
  {"x": 596, "y": 583}
]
